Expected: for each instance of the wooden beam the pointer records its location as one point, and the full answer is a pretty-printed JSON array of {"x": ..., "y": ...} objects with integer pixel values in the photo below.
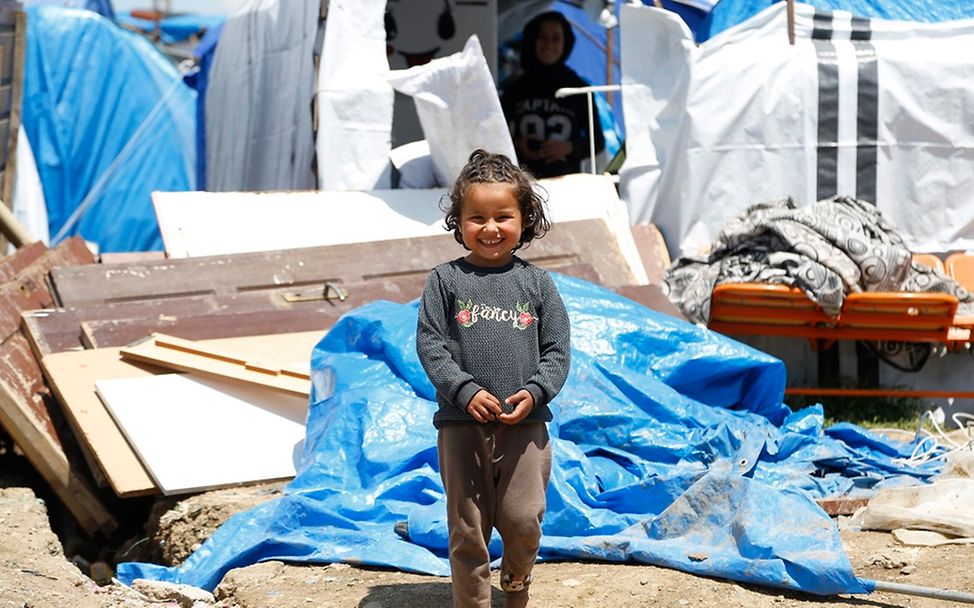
[
  {"x": 203, "y": 360},
  {"x": 579, "y": 242},
  {"x": 286, "y": 309},
  {"x": 26, "y": 410}
]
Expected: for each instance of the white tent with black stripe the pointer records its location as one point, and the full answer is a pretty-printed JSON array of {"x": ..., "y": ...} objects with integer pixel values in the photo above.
[{"x": 876, "y": 109}]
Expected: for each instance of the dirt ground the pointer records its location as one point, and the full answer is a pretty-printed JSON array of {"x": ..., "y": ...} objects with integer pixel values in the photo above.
[{"x": 34, "y": 571}]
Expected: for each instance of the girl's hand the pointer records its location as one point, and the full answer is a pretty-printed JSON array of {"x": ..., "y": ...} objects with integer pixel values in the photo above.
[
  {"x": 484, "y": 407},
  {"x": 523, "y": 403},
  {"x": 553, "y": 150},
  {"x": 527, "y": 148}
]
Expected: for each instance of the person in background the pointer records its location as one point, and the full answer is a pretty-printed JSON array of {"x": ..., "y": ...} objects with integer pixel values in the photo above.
[
  {"x": 551, "y": 136},
  {"x": 494, "y": 338}
]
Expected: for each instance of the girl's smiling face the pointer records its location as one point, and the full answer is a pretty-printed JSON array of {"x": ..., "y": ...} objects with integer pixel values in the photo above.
[
  {"x": 550, "y": 43},
  {"x": 490, "y": 223}
]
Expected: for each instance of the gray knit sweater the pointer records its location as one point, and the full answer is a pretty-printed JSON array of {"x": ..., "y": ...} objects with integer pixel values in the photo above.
[{"x": 499, "y": 329}]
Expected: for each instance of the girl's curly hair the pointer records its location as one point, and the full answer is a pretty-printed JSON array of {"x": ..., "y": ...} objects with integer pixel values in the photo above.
[{"x": 486, "y": 168}]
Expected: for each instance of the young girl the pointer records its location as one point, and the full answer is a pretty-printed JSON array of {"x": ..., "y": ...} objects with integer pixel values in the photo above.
[
  {"x": 493, "y": 336},
  {"x": 551, "y": 135}
]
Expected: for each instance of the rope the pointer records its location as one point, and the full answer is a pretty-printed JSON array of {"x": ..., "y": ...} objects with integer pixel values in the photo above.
[{"x": 932, "y": 447}]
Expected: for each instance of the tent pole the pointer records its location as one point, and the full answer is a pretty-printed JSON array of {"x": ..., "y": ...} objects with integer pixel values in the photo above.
[
  {"x": 609, "y": 59},
  {"x": 791, "y": 22},
  {"x": 931, "y": 592},
  {"x": 11, "y": 227},
  {"x": 591, "y": 133}
]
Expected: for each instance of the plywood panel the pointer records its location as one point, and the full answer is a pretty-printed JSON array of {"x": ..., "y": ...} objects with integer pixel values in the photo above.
[
  {"x": 72, "y": 376},
  {"x": 196, "y": 433}
]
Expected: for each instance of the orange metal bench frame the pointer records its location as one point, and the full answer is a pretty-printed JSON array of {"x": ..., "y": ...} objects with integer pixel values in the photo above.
[{"x": 779, "y": 310}]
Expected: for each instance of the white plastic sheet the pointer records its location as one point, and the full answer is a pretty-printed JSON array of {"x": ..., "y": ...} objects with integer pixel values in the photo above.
[
  {"x": 28, "y": 204},
  {"x": 879, "y": 110},
  {"x": 458, "y": 108},
  {"x": 415, "y": 165},
  {"x": 942, "y": 507},
  {"x": 354, "y": 100},
  {"x": 258, "y": 127}
]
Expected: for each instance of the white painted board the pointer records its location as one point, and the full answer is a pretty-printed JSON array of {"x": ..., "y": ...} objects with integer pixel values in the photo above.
[
  {"x": 195, "y": 224},
  {"x": 194, "y": 434}
]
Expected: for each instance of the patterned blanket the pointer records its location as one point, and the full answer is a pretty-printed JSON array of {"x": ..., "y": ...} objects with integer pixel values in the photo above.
[{"x": 834, "y": 247}]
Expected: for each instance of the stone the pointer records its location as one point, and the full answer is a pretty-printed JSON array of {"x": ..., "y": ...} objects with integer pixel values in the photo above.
[{"x": 186, "y": 596}]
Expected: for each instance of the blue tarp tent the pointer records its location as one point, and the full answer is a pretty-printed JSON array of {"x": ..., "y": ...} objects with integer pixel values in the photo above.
[
  {"x": 109, "y": 120},
  {"x": 728, "y": 13},
  {"x": 102, "y": 7},
  {"x": 198, "y": 80},
  {"x": 173, "y": 28},
  {"x": 669, "y": 441}
]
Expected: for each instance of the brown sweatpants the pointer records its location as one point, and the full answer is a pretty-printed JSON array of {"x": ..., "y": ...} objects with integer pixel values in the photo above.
[{"x": 495, "y": 475}]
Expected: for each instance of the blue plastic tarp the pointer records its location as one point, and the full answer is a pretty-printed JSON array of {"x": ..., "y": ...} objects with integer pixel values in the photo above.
[
  {"x": 174, "y": 28},
  {"x": 671, "y": 446},
  {"x": 728, "y": 13},
  {"x": 199, "y": 80},
  {"x": 110, "y": 121},
  {"x": 102, "y": 7}
]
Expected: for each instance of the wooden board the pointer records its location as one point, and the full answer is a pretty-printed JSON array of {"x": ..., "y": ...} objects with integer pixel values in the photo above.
[
  {"x": 95, "y": 325},
  {"x": 118, "y": 332},
  {"x": 131, "y": 256},
  {"x": 199, "y": 359},
  {"x": 14, "y": 87},
  {"x": 20, "y": 259},
  {"x": 101, "y": 334},
  {"x": 652, "y": 251},
  {"x": 196, "y": 434},
  {"x": 588, "y": 241},
  {"x": 652, "y": 297},
  {"x": 205, "y": 317},
  {"x": 842, "y": 506},
  {"x": 72, "y": 376},
  {"x": 26, "y": 410},
  {"x": 195, "y": 224}
]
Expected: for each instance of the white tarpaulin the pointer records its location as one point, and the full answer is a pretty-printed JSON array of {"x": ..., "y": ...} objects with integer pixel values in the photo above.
[
  {"x": 28, "y": 204},
  {"x": 942, "y": 509},
  {"x": 258, "y": 127},
  {"x": 354, "y": 100},
  {"x": 879, "y": 110},
  {"x": 458, "y": 108}
]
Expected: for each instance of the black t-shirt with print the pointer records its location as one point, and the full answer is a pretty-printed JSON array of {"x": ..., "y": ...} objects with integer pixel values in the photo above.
[{"x": 533, "y": 112}]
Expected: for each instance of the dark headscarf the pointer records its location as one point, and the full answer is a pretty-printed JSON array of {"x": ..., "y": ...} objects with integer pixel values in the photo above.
[{"x": 529, "y": 60}]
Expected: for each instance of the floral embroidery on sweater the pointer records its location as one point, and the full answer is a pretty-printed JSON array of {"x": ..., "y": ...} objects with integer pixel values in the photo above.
[{"x": 519, "y": 317}]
